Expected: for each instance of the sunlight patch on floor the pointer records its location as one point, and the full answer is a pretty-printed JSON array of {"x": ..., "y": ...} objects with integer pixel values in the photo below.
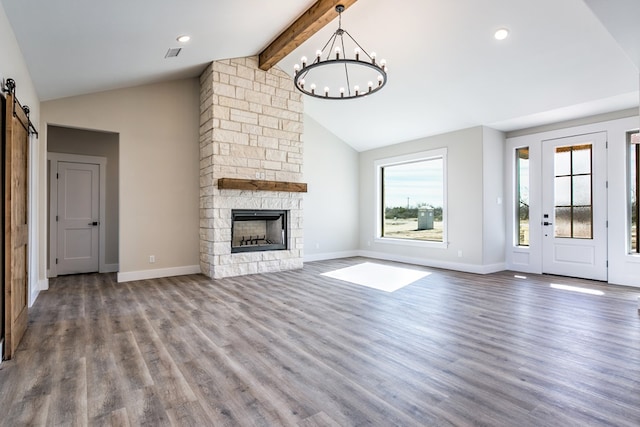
[
  {"x": 577, "y": 289},
  {"x": 378, "y": 276}
]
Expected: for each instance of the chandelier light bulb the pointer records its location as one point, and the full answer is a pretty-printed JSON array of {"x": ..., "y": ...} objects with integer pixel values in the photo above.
[
  {"x": 313, "y": 88},
  {"x": 318, "y": 54},
  {"x": 341, "y": 92},
  {"x": 383, "y": 62},
  {"x": 357, "y": 52},
  {"x": 373, "y": 57},
  {"x": 302, "y": 83},
  {"x": 304, "y": 61},
  {"x": 356, "y": 89},
  {"x": 296, "y": 68},
  {"x": 380, "y": 79},
  {"x": 370, "y": 84},
  {"x": 337, "y": 52}
]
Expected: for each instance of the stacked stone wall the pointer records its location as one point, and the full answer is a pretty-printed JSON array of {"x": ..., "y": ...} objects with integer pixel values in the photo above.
[{"x": 251, "y": 128}]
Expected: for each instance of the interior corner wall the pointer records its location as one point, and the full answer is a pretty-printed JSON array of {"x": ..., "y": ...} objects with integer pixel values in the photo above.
[
  {"x": 464, "y": 202},
  {"x": 493, "y": 212},
  {"x": 158, "y": 126},
  {"x": 331, "y": 206},
  {"x": 103, "y": 144}
]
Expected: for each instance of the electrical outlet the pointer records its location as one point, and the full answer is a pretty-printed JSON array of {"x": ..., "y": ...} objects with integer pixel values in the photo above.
[{"x": 152, "y": 259}]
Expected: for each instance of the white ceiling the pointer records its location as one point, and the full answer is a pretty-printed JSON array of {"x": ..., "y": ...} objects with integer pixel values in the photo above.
[{"x": 446, "y": 71}]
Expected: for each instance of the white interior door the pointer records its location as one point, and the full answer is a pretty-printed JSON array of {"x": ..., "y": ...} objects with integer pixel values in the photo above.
[
  {"x": 574, "y": 227},
  {"x": 78, "y": 218}
]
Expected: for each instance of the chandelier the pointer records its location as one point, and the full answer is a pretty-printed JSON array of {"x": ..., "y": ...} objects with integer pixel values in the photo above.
[{"x": 333, "y": 75}]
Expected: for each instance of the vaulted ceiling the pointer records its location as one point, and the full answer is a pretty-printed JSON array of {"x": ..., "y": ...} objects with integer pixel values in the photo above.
[{"x": 562, "y": 60}]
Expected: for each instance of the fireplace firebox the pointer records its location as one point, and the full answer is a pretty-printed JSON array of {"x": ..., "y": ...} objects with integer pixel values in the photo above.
[{"x": 258, "y": 230}]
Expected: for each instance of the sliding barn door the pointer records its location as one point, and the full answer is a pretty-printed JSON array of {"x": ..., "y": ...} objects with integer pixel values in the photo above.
[{"x": 15, "y": 228}]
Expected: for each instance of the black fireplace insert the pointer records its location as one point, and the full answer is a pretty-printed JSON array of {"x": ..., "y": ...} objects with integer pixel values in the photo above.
[{"x": 258, "y": 230}]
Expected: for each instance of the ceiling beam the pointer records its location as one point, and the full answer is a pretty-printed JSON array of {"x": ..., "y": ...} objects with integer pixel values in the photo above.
[{"x": 309, "y": 23}]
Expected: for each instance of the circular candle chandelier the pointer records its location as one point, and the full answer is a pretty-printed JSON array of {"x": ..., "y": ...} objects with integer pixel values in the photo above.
[{"x": 333, "y": 75}]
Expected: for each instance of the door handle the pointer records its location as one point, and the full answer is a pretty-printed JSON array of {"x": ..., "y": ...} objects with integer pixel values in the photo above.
[
  {"x": 547, "y": 223},
  {"x": 94, "y": 223}
]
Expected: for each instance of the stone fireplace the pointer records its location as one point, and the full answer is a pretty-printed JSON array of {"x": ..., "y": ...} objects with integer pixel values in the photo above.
[{"x": 251, "y": 131}]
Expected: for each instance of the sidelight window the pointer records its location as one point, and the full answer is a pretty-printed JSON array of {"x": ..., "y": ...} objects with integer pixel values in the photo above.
[
  {"x": 522, "y": 195},
  {"x": 633, "y": 140}
]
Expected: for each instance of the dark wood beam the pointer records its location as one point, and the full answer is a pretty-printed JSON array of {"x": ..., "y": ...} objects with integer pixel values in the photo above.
[
  {"x": 256, "y": 185},
  {"x": 309, "y": 23}
]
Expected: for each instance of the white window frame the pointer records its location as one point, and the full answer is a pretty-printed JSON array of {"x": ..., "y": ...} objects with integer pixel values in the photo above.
[{"x": 411, "y": 158}]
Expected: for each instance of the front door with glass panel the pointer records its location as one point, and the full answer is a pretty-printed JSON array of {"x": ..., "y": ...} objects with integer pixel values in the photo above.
[{"x": 574, "y": 211}]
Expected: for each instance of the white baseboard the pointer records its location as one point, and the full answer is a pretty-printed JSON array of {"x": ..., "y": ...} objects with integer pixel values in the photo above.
[
  {"x": 40, "y": 285},
  {"x": 33, "y": 295},
  {"x": 129, "y": 276},
  {"x": 111, "y": 268},
  {"x": 330, "y": 255},
  {"x": 457, "y": 266}
]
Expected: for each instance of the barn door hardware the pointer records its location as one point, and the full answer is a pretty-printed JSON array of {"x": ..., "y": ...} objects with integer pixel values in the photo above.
[{"x": 10, "y": 87}]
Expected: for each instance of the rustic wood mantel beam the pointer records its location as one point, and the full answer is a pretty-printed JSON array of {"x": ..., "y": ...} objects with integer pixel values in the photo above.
[
  {"x": 309, "y": 23},
  {"x": 259, "y": 185}
]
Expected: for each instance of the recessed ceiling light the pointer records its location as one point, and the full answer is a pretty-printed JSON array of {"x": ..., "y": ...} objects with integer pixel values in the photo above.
[
  {"x": 183, "y": 39},
  {"x": 501, "y": 34}
]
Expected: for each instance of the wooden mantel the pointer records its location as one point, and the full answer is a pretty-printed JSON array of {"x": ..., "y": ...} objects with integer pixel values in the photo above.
[{"x": 260, "y": 185}]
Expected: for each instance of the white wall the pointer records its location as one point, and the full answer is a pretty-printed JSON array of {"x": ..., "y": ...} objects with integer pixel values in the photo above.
[
  {"x": 624, "y": 268},
  {"x": 465, "y": 203},
  {"x": 12, "y": 65},
  {"x": 493, "y": 224},
  {"x": 331, "y": 206},
  {"x": 159, "y": 201}
]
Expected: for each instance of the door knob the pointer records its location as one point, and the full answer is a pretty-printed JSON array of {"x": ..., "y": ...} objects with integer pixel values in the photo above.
[
  {"x": 94, "y": 223},
  {"x": 547, "y": 223}
]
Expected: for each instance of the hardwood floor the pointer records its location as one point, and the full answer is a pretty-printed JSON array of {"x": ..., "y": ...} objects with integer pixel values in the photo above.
[{"x": 297, "y": 348}]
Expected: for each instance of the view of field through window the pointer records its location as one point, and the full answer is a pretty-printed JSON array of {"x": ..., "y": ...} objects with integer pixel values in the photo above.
[{"x": 413, "y": 200}]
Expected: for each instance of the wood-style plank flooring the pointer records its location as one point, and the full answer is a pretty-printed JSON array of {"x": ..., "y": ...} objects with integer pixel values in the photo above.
[{"x": 300, "y": 349}]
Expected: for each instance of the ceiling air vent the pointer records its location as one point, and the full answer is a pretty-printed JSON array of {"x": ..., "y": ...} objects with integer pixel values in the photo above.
[{"x": 173, "y": 52}]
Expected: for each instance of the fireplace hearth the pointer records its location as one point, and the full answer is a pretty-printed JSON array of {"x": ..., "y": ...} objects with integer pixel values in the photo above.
[{"x": 258, "y": 230}]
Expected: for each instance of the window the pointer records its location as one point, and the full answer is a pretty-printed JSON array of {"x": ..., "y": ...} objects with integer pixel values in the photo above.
[
  {"x": 412, "y": 198},
  {"x": 573, "y": 192},
  {"x": 522, "y": 195},
  {"x": 633, "y": 139}
]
